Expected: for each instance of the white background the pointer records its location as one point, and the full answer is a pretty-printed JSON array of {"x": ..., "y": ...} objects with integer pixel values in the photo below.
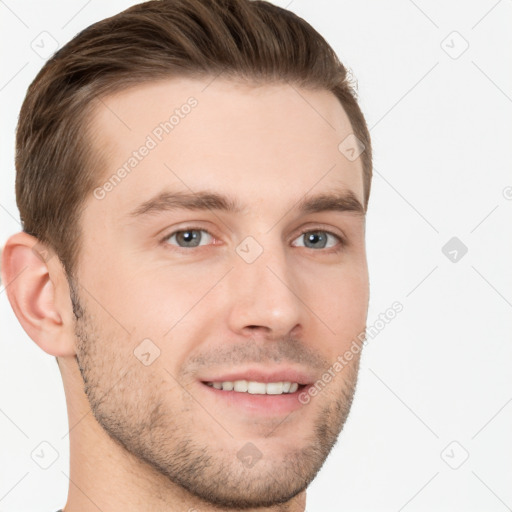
[{"x": 440, "y": 372}]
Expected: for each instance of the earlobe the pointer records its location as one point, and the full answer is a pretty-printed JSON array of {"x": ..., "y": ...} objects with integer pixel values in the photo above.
[{"x": 38, "y": 291}]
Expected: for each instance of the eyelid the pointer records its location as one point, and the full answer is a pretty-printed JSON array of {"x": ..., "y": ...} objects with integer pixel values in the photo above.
[{"x": 321, "y": 227}]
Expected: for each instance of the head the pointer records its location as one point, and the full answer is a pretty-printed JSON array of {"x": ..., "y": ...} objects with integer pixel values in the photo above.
[{"x": 200, "y": 171}]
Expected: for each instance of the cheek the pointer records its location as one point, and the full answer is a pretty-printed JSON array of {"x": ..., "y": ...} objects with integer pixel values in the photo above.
[
  {"x": 166, "y": 294},
  {"x": 350, "y": 297},
  {"x": 340, "y": 289},
  {"x": 340, "y": 303}
]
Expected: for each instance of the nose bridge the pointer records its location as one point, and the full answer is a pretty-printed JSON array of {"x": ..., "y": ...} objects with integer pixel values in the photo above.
[{"x": 263, "y": 287}]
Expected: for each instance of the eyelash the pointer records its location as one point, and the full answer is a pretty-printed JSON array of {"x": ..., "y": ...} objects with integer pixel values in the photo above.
[{"x": 331, "y": 250}]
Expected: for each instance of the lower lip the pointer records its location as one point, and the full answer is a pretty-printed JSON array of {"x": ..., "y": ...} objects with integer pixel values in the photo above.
[{"x": 262, "y": 405}]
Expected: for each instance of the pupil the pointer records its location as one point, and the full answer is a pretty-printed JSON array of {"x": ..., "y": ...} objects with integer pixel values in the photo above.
[
  {"x": 189, "y": 237},
  {"x": 313, "y": 238}
]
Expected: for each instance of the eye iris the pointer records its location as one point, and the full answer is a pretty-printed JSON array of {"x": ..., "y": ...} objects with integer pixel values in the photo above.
[
  {"x": 314, "y": 237},
  {"x": 190, "y": 238}
]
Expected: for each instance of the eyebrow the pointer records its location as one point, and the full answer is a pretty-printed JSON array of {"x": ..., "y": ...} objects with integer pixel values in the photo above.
[{"x": 340, "y": 201}]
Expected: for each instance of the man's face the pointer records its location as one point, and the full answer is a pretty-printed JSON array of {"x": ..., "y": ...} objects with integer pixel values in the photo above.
[{"x": 176, "y": 302}]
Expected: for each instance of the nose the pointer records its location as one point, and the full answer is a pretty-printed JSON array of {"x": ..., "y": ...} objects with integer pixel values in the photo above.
[{"x": 265, "y": 297}]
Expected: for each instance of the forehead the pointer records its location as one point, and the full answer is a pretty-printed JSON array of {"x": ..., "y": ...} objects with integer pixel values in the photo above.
[{"x": 260, "y": 143}]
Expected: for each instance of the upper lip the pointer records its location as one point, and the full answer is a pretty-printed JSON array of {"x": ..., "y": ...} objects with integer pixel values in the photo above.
[{"x": 284, "y": 374}]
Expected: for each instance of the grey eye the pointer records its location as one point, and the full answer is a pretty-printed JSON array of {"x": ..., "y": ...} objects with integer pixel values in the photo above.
[
  {"x": 317, "y": 239},
  {"x": 188, "y": 237}
]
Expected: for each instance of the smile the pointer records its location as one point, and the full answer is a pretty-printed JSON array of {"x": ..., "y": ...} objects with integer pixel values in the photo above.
[{"x": 256, "y": 388}]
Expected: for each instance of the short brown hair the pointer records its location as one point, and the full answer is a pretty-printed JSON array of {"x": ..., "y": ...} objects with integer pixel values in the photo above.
[{"x": 243, "y": 39}]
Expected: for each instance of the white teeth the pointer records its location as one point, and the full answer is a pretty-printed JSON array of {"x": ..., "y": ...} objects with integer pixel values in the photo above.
[
  {"x": 275, "y": 388},
  {"x": 256, "y": 388},
  {"x": 240, "y": 385}
]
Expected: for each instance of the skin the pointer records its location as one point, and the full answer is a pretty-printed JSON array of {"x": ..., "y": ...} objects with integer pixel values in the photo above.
[{"x": 154, "y": 437}]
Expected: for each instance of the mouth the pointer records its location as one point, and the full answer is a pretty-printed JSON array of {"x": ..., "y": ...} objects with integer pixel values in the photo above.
[
  {"x": 257, "y": 388},
  {"x": 258, "y": 391}
]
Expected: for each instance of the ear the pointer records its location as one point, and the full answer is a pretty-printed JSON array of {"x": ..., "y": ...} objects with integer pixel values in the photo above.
[{"x": 37, "y": 288}]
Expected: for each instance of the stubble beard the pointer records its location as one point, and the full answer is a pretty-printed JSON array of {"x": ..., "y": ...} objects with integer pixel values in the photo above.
[{"x": 162, "y": 436}]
